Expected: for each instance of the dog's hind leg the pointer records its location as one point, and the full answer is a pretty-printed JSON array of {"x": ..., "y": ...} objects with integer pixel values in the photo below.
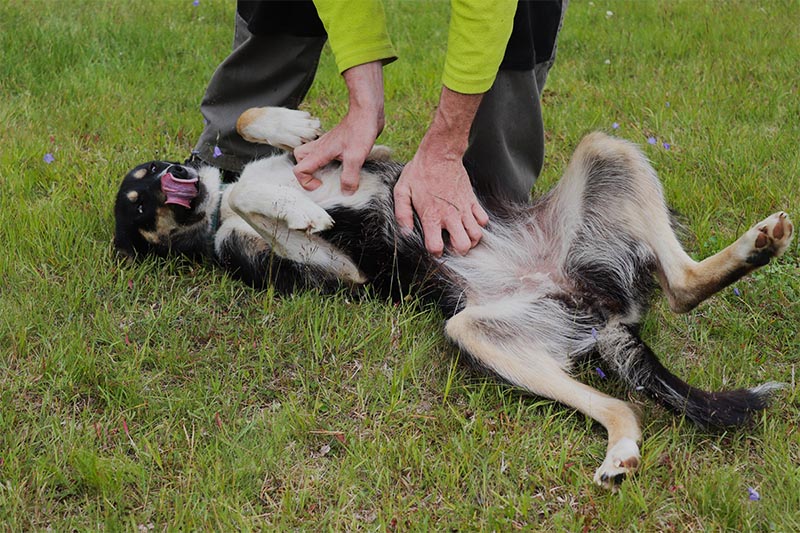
[
  {"x": 765, "y": 240},
  {"x": 621, "y": 195},
  {"x": 533, "y": 369}
]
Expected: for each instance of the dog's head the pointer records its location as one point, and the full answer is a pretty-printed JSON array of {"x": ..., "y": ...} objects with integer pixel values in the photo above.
[{"x": 158, "y": 210}]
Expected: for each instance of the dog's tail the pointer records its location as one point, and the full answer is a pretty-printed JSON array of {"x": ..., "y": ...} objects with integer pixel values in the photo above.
[{"x": 638, "y": 366}]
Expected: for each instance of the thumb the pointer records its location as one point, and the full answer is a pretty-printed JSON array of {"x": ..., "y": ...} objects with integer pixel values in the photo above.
[{"x": 304, "y": 172}]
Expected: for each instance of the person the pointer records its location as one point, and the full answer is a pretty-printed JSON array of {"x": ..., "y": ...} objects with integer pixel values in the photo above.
[{"x": 487, "y": 130}]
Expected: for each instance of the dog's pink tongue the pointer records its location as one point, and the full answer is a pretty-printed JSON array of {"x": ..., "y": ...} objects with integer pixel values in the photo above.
[{"x": 178, "y": 191}]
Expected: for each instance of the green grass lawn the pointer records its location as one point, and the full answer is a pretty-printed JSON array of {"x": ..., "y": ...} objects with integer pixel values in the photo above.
[{"x": 164, "y": 395}]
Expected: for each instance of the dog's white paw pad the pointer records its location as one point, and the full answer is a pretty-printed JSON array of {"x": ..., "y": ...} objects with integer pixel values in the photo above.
[{"x": 621, "y": 461}]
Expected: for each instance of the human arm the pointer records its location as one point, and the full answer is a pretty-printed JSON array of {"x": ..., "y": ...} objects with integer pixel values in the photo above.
[
  {"x": 361, "y": 46},
  {"x": 351, "y": 140},
  {"x": 435, "y": 185}
]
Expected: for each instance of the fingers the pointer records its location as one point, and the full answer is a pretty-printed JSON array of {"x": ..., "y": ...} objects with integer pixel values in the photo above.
[
  {"x": 480, "y": 214},
  {"x": 403, "y": 211},
  {"x": 308, "y": 162},
  {"x": 432, "y": 230},
  {"x": 472, "y": 226},
  {"x": 351, "y": 167},
  {"x": 464, "y": 234},
  {"x": 334, "y": 145},
  {"x": 460, "y": 241}
]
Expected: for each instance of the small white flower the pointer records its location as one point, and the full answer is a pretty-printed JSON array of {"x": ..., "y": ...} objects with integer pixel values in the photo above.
[
  {"x": 609, "y": 13},
  {"x": 607, "y": 61}
]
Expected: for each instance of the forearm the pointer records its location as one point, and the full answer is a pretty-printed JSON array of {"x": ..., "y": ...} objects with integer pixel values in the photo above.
[
  {"x": 449, "y": 130},
  {"x": 365, "y": 91}
]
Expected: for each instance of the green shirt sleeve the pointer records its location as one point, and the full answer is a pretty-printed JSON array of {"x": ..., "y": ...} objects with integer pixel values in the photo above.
[
  {"x": 476, "y": 42},
  {"x": 356, "y": 31}
]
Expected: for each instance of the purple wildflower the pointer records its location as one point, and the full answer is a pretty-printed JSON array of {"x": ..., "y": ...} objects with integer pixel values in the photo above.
[
  {"x": 196, "y": 3},
  {"x": 651, "y": 140},
  {"x": 600, "y": 373},
  {"x": 217, "y": 152},
  {"x": 615, "y": 126},
  {"x": 737, "y": 292},
  {"x": 753, "y": 494},
  {"x": 48, "y": 158},
  {"x": 666, "y": 146},
  {"x": 667, "y": 104}
]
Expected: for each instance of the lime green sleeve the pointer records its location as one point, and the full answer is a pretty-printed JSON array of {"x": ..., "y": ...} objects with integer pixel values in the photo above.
[
  {"x": 476, "y": 42},
  {"x": 356, "y": 31}
]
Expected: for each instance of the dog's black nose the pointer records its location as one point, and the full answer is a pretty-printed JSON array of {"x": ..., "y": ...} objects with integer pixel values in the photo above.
[{"x": 179, "y": 173}]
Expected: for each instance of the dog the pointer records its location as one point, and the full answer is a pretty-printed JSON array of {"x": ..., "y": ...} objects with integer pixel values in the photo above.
[{"x": 550, "y": 284}]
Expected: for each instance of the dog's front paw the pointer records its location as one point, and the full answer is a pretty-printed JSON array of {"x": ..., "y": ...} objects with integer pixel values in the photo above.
[
  {"x": 277, "y": 126},
  {"x": 309, "y": 220},
  {"x": 769, "y": 238},
  {"x": 621, "y": 461}
]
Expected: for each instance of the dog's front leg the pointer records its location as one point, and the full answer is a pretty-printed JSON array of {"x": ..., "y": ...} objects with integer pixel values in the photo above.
[
  {"x": 288, "y": 221},
  {"x": 268, "y": 187},
  {"x": 277, "y": 126}
]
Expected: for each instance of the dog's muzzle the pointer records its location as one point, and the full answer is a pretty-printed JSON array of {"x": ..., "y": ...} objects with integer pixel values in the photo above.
[{"x": 179, "y": 186}]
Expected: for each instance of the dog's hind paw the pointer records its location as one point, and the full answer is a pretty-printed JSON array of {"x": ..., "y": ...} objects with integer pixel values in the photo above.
[
  {"x": 280, "y": 127},
  {"x": 769, "y": 238},
  {"x": 621, "y": 461}
]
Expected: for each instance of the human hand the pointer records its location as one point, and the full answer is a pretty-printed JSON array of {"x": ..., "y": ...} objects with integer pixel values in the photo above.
[
  {"x": 436, "y": 186},
  {"x": 351, "y": 140},
  {"x": 435, "y": 183}
]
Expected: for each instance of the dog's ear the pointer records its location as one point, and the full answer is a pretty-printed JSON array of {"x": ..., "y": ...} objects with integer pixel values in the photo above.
[{"x": 122, "y": 242}]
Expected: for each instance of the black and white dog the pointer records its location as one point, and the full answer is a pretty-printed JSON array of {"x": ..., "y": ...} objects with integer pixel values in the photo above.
[{"x": 549, "y": 284}]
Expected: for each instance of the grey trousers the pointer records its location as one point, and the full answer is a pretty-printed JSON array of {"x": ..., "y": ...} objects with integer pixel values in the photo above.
[{"x": 506, "y": 146}]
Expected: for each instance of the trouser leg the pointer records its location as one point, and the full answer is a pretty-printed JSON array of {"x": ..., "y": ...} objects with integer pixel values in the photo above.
[
  {"x": 262, "y": 70},
  {"x": 506, "y": 143}
]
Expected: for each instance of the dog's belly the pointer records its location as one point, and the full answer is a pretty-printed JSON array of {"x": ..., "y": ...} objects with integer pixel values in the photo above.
[{"x": 511, "y": 261}]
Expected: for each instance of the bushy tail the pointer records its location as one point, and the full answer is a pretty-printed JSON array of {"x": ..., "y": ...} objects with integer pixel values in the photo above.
[{"x": 631, "y": 359}]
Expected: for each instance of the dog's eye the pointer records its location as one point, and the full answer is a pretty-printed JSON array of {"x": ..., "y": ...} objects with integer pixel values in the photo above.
[
  {"x": 140, "y": 208},
  {"x": 153, "y": 168}
]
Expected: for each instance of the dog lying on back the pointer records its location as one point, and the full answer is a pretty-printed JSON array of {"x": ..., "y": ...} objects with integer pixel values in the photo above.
[{"x": 549, "y": 285}]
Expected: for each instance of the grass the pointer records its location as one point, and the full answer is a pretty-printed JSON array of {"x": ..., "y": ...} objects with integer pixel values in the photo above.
[{"x": 163, "y": 395}]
